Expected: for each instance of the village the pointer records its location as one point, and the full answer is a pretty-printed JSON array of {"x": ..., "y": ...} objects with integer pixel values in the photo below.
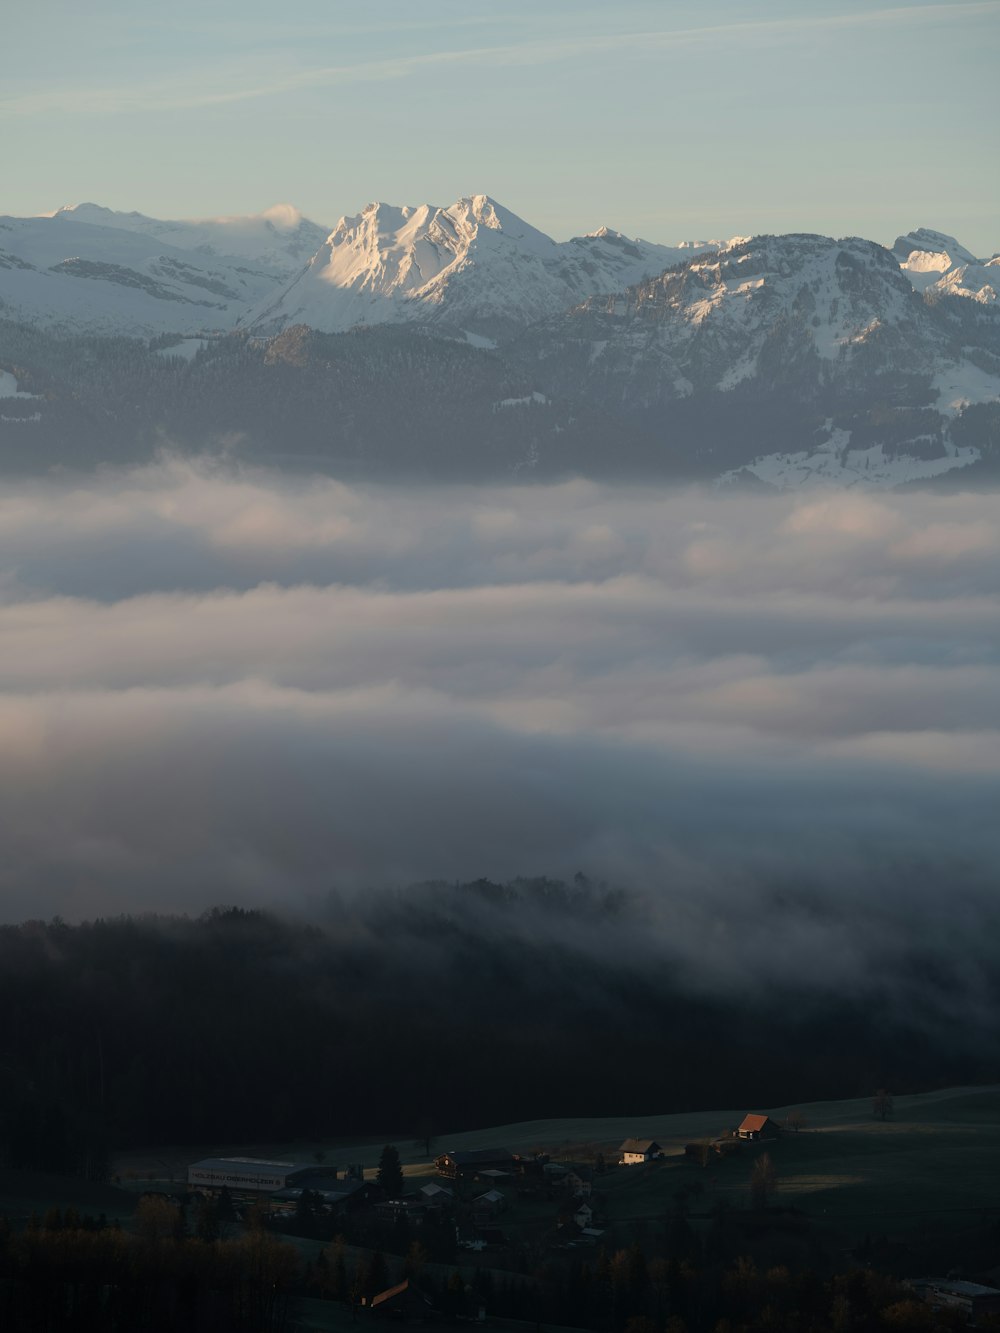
[
  {"x": 489, "y": 1211},
  {"x": 473, "y": 1191},
  {"x": 864, "y": 1214}
]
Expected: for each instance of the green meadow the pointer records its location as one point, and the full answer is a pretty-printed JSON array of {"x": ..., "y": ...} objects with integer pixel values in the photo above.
[{"x": 936, "y": 1158}]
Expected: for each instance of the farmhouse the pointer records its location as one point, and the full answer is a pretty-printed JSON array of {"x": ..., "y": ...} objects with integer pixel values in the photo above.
[
  {"x": 455, "y": 1165},
  {"x": 635, "y": 1151},
  {"x": 757, "y": 1127}
]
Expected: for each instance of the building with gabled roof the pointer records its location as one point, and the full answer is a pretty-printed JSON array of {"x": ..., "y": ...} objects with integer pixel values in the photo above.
[
  {"x": 579, "y": 1180},
  {"x": 635, "y": 1151},
  {"x": 757, "y": 1127},
  {"x": 437, "y": 1193}
]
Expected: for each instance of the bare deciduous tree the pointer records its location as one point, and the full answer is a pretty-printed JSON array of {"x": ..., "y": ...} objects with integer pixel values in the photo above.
[
  {"x": 763, "y": 1180},
  {"x": 882, "y": 1103}
]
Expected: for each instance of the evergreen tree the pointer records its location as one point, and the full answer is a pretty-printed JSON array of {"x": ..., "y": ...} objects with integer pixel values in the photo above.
[{"x": 390, "y": 1172}]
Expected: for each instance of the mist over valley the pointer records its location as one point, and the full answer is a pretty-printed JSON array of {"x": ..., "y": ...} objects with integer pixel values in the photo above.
[
  {"x": 769, "y": 721},
  {"x": 500, "y": 691},
  {"x": 438, "y": 609}
]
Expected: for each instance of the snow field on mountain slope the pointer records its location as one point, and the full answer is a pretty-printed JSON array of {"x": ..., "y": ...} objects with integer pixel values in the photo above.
[
  {"x": 828, "y": 468},
  {"x": 279, "y": 236},
  {"x": 187, "y": 349},
  {"x": 962, "y": 383},
  {"x": 9, "y": 387}
]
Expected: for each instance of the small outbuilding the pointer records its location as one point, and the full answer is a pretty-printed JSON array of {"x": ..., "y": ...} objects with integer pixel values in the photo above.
[{"x": 635, "y": 1151}]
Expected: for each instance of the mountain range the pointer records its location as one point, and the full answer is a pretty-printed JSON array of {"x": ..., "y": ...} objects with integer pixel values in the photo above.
[{"x": 770, "y": 360}]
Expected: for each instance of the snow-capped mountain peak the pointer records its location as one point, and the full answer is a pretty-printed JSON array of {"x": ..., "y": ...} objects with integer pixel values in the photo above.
[
  {"x": 474, "y": 265},
  {"x": 927, "y": 242},
  {"x": 937, "y": 265}
]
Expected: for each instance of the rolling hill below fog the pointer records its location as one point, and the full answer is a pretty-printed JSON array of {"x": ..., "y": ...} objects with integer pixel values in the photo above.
[
  {"x": 462, "y": 342},
  {"x": 303, "y": 1012}
]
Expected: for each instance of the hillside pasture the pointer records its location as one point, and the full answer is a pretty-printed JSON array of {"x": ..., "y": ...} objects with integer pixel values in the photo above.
[{"x": 935, "y": 1158}]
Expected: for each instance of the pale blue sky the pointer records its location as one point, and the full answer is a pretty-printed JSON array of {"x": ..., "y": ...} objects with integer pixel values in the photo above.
[{"x": 667, "y": 120}]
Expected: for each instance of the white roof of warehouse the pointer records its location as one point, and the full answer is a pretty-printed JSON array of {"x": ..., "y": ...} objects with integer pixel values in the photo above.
[{"x": 250, "y": 1165}]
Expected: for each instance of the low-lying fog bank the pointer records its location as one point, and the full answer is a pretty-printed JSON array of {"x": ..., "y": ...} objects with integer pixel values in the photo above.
[{"x": 776, "y": 718}]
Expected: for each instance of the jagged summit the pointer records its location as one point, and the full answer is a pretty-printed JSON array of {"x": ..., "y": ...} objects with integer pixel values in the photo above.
[
  {"x": 781, "y": 359},
  {"x": 472, "y": 267},
  {"x": 924, "y": 240},
  {"x": 938, "y": 265},
  {"x": 474, "y": 264}
]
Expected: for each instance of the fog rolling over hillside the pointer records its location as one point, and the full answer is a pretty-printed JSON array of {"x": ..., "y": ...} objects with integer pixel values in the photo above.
[{"x": 772, "y": 718}]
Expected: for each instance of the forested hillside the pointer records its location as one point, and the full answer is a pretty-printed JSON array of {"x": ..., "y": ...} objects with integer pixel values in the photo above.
[{"x": 535, "y": 1000}]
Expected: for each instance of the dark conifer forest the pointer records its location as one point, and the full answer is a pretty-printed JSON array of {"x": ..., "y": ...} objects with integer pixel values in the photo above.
[{"x": 445, "y": 1006}]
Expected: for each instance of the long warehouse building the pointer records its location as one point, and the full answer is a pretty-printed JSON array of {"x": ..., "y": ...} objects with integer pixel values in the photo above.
[{"x": 251, "y": 1173}]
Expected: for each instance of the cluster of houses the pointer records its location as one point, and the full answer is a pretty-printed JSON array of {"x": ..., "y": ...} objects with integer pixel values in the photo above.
[
  {"x": 473, "y": 1189},
  {"x": 530, "y": 1176}
]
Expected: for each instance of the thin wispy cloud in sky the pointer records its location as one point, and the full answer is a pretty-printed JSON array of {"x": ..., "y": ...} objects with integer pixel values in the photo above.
[
  {"x": 208, "y": 87},
  {"x": 183, "y": 113}
]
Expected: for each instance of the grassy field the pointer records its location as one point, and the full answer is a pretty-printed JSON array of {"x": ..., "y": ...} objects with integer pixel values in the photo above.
[{"x": 937, "y": 1157}]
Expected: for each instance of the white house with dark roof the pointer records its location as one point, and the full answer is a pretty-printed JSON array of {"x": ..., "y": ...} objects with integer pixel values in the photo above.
[{"x": 636, "y": 1151}]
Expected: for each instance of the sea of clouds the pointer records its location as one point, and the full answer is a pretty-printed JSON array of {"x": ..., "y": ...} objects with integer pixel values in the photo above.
[{"x": 223, "y": 686}]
